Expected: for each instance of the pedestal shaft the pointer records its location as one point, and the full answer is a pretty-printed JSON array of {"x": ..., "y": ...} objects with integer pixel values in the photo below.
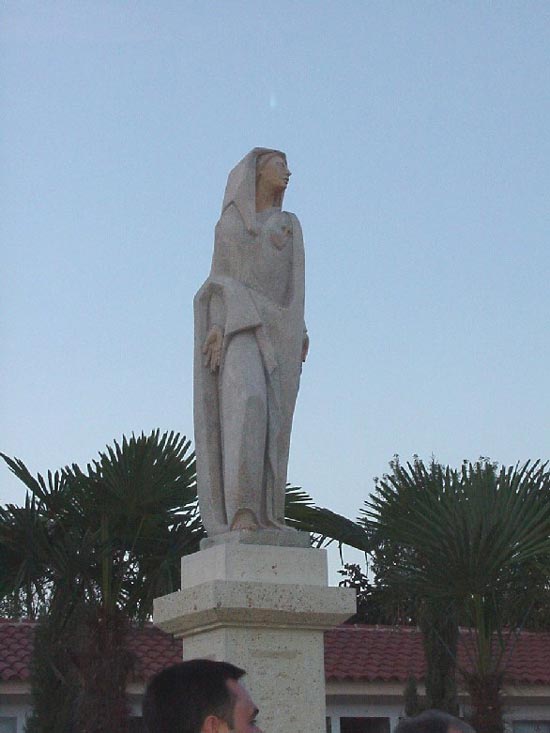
[{"x": 264, "y": 609}]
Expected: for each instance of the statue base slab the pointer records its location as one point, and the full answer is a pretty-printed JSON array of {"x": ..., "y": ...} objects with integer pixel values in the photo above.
[
  {"x": 263, "y": 608},
  {"x": 278, "y": 537}
]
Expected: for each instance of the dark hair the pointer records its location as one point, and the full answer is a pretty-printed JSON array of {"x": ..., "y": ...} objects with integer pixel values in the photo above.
[
  {"x": 432, "y": 721},
  {"x": 181, "y": 697}
]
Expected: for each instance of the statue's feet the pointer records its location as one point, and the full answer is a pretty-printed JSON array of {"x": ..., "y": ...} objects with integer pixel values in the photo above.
[{"x": 244, "y": 519}]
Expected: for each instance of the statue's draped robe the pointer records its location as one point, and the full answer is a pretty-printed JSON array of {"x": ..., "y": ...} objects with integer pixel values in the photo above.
[{"x": 244, "y": 410}]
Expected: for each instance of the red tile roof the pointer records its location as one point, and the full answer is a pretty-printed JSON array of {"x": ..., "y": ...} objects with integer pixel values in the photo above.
[
  {"x": 373, "y": 653},
  {"x": 16, "y": 638},
  {"x": 153, "y": 649},
  {"x": 362, "y": 653},
  {"x": 393, "y": 654}
]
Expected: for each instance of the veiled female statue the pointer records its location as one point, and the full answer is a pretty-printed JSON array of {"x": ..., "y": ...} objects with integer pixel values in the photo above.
[{"x": 250, "y": 341}]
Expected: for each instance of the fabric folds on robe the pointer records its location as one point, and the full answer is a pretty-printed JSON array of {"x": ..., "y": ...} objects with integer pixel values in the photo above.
[{"x": 255, "y": 294}]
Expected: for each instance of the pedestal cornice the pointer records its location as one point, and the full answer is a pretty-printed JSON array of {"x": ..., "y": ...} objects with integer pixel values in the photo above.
[{"x": 239, "y": 603}]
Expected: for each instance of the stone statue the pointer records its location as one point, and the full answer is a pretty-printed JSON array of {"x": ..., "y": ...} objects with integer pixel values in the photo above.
[{"x": 250, "y": 342}]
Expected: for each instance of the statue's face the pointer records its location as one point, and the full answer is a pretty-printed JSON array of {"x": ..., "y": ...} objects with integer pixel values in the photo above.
[{"x": 275, "y": 174}]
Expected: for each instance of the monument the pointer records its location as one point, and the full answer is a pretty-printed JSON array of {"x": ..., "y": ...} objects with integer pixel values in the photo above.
[{"x": 256, "y": 594}]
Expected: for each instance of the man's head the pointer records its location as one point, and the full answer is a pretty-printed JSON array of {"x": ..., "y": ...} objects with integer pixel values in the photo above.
[
  {"x": 433, "y": 721},
  {"x": 199, "y": 696}
]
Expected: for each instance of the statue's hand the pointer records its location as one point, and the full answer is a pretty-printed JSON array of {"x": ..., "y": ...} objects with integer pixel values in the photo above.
[
  {"x": 212, "y": 348},
  {"x": 305, "y": 346}
]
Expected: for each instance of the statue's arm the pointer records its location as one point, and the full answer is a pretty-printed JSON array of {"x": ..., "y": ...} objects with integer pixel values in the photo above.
[
  {"x": 297, "y": 234},
  {"x": 212, "y": 347},
  {"x": 231, "y": 309},
  {"x": 223, "y": 266}
]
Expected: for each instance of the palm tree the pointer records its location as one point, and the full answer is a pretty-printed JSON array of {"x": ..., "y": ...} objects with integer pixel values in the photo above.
[
  {"x": 324, "y": 525},
  {"x": 95, "y": 547},
  {"x": 470, "y": 545}
]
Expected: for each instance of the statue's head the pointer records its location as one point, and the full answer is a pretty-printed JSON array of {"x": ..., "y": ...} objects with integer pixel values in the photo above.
[
  {"x": 260, "y": 166},
  {"x": 272, "y": 173}
]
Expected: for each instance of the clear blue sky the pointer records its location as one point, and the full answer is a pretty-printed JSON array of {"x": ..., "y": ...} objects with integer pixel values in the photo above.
[{"x": 418, "y": 134}]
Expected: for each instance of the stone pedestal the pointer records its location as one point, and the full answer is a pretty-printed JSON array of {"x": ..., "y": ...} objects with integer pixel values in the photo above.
[{"x": 263, "y": 608}]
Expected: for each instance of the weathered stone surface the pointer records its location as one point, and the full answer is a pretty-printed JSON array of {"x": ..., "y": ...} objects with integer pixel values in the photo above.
[
  {"x": 281, "y": 537},
  {"x": 240, "y": 562},
  {"x": 256, "y": 594},
  {"x": 264, "y": 609},
  {"x": 250, "y": 341},
  {"x": 285, "y": 672},
  {"x": 223, "y": 602}
]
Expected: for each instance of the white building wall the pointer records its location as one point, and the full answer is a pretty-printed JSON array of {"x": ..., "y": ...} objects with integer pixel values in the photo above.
[
  {"x": 14, "y": 706},
  {"x": 370, "y": 709}
]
